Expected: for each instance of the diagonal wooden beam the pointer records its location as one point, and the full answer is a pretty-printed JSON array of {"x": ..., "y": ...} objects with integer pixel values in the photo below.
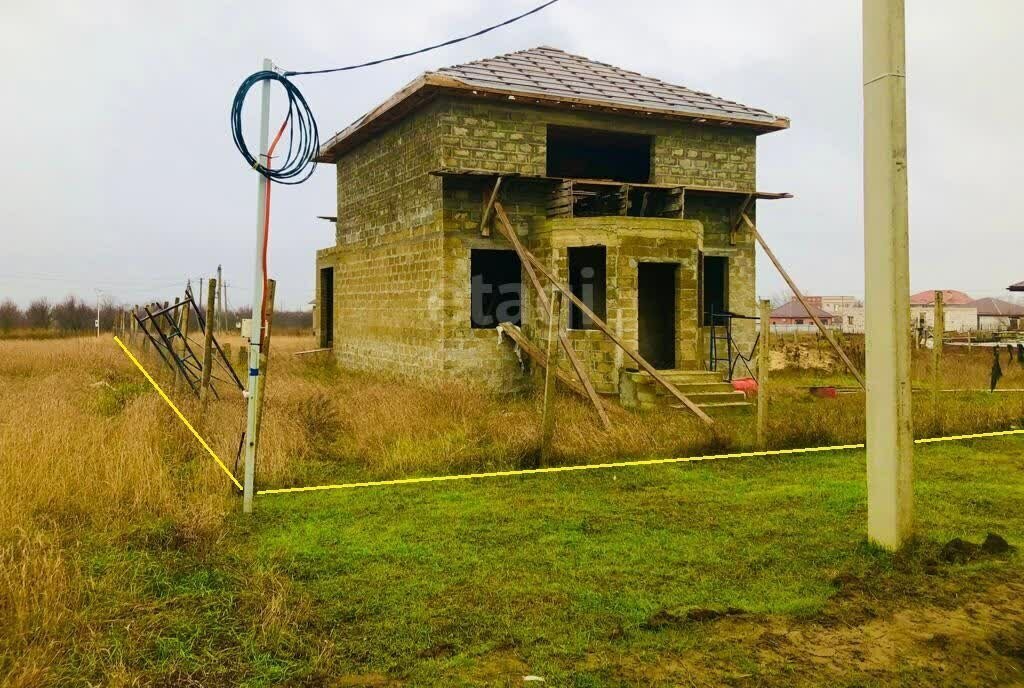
[
  {"x": 574, "y": 360},
  {"x": 485, "y": 227},
  {"x": 738, "y": 218},
  {"x": 803, "y": 302},
  {"x": 529, "y": 260}
]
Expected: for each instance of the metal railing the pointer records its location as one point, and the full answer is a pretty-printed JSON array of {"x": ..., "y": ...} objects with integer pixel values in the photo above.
[{"x": 723, "y": 352}]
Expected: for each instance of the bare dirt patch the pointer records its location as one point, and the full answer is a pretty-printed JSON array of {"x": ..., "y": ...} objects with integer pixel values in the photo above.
[{"x": 977, "y": 642}]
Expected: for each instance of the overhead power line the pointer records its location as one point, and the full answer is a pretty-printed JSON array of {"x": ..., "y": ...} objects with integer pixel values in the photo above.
[{"x": 420, "y": 51}]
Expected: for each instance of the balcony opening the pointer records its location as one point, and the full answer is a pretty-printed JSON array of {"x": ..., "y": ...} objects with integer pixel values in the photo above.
[{"x": 596, "y": 154}]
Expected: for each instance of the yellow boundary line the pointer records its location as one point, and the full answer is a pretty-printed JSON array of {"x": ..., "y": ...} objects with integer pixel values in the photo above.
[
  {"x": 618, "y": 464},
  {"x": 534, "y": 471},
  {"x": 174, "y": 408}
]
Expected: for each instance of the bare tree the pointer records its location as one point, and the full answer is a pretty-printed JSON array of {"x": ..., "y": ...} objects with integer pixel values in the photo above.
[
  {"x": 37, "y": 315},
  {"x": 10, "y": 316},
  {"x": 73, "y": 315}
]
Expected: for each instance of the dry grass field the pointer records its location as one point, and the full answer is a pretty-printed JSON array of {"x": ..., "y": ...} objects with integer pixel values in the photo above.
[{"x": 123, "y": 560}]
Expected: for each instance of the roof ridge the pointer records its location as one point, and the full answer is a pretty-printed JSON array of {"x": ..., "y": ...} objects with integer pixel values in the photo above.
[{"x": 614, "y": 68}]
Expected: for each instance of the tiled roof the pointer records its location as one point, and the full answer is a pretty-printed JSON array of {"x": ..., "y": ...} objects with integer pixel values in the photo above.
[
  {"x": 997, "y": 307},
  {"x": 555, "y": 78},
  {"x": 950, "y": 297},
  {"x": 794, "y": 309},
  {"x": 554, "y": 72}
]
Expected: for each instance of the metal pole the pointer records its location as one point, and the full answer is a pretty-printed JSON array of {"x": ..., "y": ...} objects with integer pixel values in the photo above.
[
  {"x": 256, "y": 330},
  {"x": 98, "y": 292},
  {"x": 890, "y": 439}
]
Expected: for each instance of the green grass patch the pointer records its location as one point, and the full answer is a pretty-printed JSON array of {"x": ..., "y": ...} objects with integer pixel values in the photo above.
[{"x": 554, "y": 575}]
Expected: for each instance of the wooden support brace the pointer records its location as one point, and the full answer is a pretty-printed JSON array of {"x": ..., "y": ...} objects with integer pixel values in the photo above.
[
  {"x": 738, "y": 221},
  {"x": 530, "y": 262},
  {"x": 803, "y": 302},
  {"x": 485, "y": 227},
  {"x": 524, "y": 257}
]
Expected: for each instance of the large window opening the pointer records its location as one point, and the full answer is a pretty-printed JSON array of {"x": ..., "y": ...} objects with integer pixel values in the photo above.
[
  {"x": 326, "y": 307},
  {"x": 596, "y": 154},
  {"x": 715, "y": 287},
  {"x": 496, "y": 288},
  {"x": 588, "y": 281}
]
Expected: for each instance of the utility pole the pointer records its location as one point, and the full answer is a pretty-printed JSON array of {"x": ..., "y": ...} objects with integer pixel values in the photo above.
[
  {"x": 890, "y": 438},
  {"x": 220, "y": 312},
  {"x": 256, "y": 328}
]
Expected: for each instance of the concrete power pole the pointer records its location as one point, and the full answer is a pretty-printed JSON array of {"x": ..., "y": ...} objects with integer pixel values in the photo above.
[
  {"x": 256, "y": 327},
  {"x": 890, "y": 438}
]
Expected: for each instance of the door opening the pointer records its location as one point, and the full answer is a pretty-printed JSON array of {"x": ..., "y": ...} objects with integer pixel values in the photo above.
[
  {"x": 326, "y": 307},
  {"x": 656, "y": 312},
  {"x": 715, "y": 288}
]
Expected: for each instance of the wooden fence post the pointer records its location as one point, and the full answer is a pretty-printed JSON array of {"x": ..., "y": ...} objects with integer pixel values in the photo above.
[
  {"x": 145, "y": 340},
  {"x": 204, "y": 389},
  {"x": 264, "y": 358},
  {"x": 938, "y": 330},
  {"x": 547, "y": 425},
  {"x": 763, "y": 364}
]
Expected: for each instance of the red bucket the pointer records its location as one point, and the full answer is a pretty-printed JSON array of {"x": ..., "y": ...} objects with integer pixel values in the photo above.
[{"x": 747, "y": 385}]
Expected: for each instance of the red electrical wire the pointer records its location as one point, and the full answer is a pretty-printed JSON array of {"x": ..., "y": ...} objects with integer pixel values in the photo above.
[{"x": 266, "y": 227}]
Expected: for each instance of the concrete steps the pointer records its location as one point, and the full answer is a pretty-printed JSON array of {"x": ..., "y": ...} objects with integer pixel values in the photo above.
[{"x": 707, "y": 389}]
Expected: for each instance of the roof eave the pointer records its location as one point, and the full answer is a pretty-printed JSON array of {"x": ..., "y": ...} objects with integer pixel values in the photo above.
[{"x": 425, "y": 87}]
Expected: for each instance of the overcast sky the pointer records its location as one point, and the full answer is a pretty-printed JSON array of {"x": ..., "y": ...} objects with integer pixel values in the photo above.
[{"x": 119, "y": 172}]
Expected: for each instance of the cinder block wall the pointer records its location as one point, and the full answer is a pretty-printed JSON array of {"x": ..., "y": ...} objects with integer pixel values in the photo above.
[
  {"x": 716, "y": 212},
  {"x": 504, "y": 137},
  {"x": 389, "y": 267},
  {"x": 509, "y": 138},
  {"x": 629, "y": 241},
  {"x": 402, "y": 262}
]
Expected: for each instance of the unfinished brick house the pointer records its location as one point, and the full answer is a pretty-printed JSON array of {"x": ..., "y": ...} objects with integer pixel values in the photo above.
[{"x": 628, "y": 189}]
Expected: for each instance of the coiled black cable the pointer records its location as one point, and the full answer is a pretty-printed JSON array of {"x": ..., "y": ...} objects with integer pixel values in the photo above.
[
  {"x": 303, "y": 137},
  {"x": 299, "y": 161}
]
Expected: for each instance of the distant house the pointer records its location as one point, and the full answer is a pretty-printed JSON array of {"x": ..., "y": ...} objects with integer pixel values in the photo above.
[
  {"x": 848, "y": 311},
  {"x": 960, "y": 313},
  {"x": 792, "y": 315},
  {"x": 996, "y": 314}
]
